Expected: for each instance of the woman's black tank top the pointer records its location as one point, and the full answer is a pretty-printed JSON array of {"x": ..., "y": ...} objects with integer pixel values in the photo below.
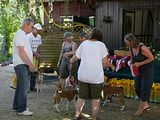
[{"x": 147, "y": 69}]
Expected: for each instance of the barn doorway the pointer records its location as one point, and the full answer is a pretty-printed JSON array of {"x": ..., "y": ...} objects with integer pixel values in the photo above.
[{"x": 139, "y": 22}]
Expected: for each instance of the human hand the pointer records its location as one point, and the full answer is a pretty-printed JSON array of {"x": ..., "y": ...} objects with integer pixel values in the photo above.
[
  {"x": 113, "y": 68},
  {"x": 137, "y": 64},
  {"x": 72, "y": 60},
  {"x": 32, "y": 68},
  {"x": 66, "y": 54}
]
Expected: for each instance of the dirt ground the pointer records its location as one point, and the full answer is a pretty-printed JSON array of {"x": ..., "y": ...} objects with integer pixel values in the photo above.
[{"x": 42, "y": 106}]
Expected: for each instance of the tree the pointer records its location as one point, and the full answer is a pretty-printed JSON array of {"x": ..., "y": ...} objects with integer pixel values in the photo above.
[{"x": 12, "y": 12}]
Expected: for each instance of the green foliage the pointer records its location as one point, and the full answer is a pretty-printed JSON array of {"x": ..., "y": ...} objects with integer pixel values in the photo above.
[
  {"x": 11, "y": 14},
  {"x": 3, "y": 58},
  {"x": 8, "y": 24}
]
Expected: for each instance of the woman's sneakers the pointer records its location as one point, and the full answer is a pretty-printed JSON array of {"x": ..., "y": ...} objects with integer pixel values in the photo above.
[{"x": 25, "y": 113}]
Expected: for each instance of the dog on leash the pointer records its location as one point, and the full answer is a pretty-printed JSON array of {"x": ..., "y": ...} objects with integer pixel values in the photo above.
[
  {"x": 108, "y": 90},
  {"x": 59, "y": 94},
  {"x": 66, "y": 88}
]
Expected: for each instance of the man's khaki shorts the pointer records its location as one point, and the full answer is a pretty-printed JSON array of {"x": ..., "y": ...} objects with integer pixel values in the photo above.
[{"x": 90, "y": 91}]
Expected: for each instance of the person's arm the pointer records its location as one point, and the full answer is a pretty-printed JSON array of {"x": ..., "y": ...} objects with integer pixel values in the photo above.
[
  {"x": 146, "y": 52},
  {"x": 77, "y": 55},
  {"x": 59, "y": 60},
  {"x": 74, "y": 48},
  {"x": 74, "y": 59},
  {"x": 37, "y": 52},
  {"x": 40, "y": 44},
  {"x": 23, "y": 55},
  {"x": 61, "y": 55},
  {"x": 130, "y": 54},
  {"x": 106, "y": 63}
]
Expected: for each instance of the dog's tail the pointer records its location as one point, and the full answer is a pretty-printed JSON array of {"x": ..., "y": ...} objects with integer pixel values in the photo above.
[
  {"x": 56, "y": 92},
  {"x": 59, "y": 90}
]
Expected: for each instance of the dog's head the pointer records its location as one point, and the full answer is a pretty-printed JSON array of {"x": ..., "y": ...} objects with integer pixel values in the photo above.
[
  {"x": 71, "y": 78},
  {"x": 41, "y": 70}
]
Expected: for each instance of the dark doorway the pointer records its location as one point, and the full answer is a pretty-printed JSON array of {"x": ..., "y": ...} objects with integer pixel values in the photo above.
[{"x": 139, "y": 22}]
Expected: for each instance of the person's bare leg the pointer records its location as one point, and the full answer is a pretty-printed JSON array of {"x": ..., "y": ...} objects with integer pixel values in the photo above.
[
  {"x": 95, "y": 108},
  {"x": 79, "y": 106}
]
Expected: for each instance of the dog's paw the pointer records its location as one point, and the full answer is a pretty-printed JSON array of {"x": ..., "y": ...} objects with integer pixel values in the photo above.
[
  {"x": 67, "y": 109},
  {"x": 56, "y": 108},
  {"x": 122, "y": 108},
  {"x": 104, "y": 104},
  {"x": 38, "y": 90}
]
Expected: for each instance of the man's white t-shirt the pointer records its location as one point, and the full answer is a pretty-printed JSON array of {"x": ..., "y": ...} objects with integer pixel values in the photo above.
[
  {"x": 91, "y": 54},
  {"x": 21, "y": 39},
  {"x": 34, "y": 41}
]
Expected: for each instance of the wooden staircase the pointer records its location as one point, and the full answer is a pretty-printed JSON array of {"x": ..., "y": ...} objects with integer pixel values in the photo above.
[{"x": 51, "y": 47}]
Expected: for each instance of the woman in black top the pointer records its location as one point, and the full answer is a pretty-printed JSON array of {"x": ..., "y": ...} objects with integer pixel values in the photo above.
[{"x": 142, "y": 58}]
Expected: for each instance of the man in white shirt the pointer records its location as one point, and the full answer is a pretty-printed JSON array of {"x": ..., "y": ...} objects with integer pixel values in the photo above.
[
  {"x": 35, "y": 41},
  {"x": 23, "y": 65}
]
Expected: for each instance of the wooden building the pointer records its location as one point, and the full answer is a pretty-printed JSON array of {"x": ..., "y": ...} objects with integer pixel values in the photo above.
[
  {"x": 79, "y": 10},
  {"x": 119, "y": 17},
  {"x": 115, "y": 18}
]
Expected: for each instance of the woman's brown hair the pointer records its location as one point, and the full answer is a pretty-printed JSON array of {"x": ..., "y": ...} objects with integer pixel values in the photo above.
[
  {"x": 96, "y": 34},
  {"x": 132, "y": 38}
]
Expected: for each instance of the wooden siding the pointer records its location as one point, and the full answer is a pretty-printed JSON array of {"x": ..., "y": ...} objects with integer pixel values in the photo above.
[
  {"x": 113, "y": 31},
  {"x": 75, "y": 9}
]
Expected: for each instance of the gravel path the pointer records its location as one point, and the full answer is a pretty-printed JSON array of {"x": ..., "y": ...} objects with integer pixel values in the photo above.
[{"x": 42, "y": 106}]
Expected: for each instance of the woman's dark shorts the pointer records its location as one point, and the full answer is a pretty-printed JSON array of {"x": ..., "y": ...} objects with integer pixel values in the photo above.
[{"x": 89, "y": 91}]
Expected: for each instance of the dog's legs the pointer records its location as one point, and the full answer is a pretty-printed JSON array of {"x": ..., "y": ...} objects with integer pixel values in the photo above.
[
  {"x": 121, "y": 99},
  {"x": 67, "y": 105},
  {"x": 105, "y": 101},
  {"x": 56, "y": 106},
  {"x": 38, "y": 83},
  {"x": 41, "y": 81},
  {"x": 37, "y": 86},
  {"x": 122, "y": 108}
]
